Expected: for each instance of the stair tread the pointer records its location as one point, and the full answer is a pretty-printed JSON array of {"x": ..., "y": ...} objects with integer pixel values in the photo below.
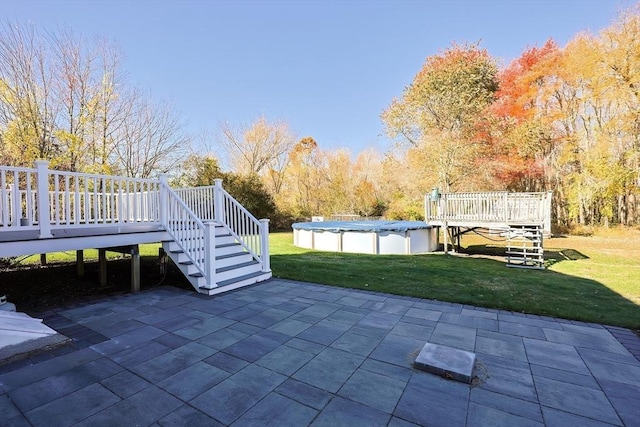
[
  {"x": 528, "y": 262},
  {"x": 187, "y": 262},
  {"x": 231, "y": 255},
  {"x": 228, "y": 268},
  {"x": 180, "y": 251},
  {"x": 236, "y": 266},
  {"x": 237, "y": 279},
  {"x": 226, "y": 245}
]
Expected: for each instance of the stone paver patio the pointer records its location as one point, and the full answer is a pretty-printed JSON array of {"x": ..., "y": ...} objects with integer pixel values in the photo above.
[{"x": 285, "y": 353}]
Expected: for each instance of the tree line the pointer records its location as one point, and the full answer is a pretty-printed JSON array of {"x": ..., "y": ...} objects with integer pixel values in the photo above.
[
  {"x": 66, "y": 99},
  {"x": 565, "y": 119}
]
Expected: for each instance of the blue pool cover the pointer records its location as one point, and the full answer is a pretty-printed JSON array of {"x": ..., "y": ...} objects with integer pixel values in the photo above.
[{"x": 365, "y": 226}]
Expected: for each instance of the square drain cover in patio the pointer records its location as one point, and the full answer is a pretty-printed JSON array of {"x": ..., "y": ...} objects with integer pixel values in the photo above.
[{"x": 447, "y": 362}]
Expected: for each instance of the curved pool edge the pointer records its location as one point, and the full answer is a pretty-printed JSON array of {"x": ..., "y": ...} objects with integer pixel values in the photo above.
[{"x": 371, "y": 237}]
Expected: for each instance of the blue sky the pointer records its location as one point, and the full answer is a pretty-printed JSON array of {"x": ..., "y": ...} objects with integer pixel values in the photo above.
[{"x": 328, "y": 68}]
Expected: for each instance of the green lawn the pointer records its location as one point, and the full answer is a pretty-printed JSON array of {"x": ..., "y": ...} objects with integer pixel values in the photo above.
[{"x": 592, "y": 279}]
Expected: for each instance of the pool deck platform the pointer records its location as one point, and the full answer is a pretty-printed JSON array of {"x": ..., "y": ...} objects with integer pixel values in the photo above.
[{"x": 288, "y": 353}]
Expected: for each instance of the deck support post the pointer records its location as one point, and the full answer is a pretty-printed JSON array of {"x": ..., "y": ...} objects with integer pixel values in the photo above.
[
  {"x": 445, "y": 212},
  {"x": 132, "y": 250},
  {"x": 102, "y": 263},
  {"x": 452, "y": 237},
  {"x": 135, "y": 269},
  {"x": 446, "y": 238},
  {"x": 80, "y": 263}
]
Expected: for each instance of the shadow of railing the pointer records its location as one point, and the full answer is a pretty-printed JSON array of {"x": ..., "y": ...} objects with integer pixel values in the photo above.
[{"x": 551, "y": 255}]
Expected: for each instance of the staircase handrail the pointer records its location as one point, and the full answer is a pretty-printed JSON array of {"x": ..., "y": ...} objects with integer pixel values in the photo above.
[
  {"x": 200, "y": 200},
  {"x": 252, "y": 233},
  {"x": 195, "y": 237},
  {"x": 216, "y": 204}
]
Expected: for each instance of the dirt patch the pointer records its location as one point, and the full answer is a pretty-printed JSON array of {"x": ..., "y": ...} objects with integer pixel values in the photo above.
[{"x": 35, "y": 288}]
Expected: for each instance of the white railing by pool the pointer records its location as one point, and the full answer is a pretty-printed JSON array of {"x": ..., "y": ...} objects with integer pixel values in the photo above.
[{"x": 490, "y": 208}]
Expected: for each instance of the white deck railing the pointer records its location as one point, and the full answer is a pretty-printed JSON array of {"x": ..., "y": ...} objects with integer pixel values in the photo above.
[
  {"x": 244, "y": 226},
  {"x": 17, "y": 196},
  {"x": 45, "y": 200},
  {"x": 490, "y": 207},
  {"x": 214, "y": 203},
  {"x": 195, "y": 237},
  {"x": 200, "y": 200}
]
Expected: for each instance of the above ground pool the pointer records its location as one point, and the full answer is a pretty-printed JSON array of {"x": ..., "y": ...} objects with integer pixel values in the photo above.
[{"x": 366, "y": 237}]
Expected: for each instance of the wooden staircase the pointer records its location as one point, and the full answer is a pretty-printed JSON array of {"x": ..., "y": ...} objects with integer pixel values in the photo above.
[
  {"x": 216, "y": 243},
  {"x": 235, "y": 267},
  {"x": 524, "y": 247}
]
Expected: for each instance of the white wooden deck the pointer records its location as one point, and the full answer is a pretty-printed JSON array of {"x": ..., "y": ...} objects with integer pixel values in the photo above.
[
  {"x": 523, "y": 216},
  {"x": 27, "y": 242},
  {"x": 44, "y": 210},
  {"x": 489, "y": 210}
]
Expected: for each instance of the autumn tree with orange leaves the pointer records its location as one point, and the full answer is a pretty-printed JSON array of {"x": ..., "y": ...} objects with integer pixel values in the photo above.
[
  {"x": 568, "y": 120},
  {"x": 558, "y": 118},
  {"x": 439, "y": 115}
]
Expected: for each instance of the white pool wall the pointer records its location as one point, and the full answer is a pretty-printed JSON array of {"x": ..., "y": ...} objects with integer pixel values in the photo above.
[{"x": 403, "y": 242}]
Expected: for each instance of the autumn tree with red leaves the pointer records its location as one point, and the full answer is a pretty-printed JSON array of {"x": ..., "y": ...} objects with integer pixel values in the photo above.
[{"x": 521, "y": 136}]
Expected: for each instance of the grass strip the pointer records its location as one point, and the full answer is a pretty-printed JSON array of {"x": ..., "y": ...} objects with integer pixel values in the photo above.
[{"x": 581, "y": 289}]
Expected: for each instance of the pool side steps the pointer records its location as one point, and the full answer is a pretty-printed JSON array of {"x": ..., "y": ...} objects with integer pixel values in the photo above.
[{"x": 448, "y": 362}]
